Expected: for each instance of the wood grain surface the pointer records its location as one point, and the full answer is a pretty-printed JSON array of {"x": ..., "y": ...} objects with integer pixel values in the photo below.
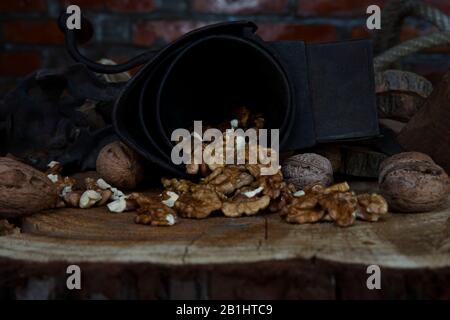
[{"x": 406, "y": 246}]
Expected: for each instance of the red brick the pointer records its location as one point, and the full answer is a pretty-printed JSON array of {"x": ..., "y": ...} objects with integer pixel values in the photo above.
[
  {"x": 241, "y": 6},
  {"x": 335, "y": 7},
  {"x": 131, "y": 5},
  {"x": 113, "y": 5},
  {"x": 308, "y": 33},
  {"x": 147, "y": 33},
  {"x": 33, "y": 32},
  {"x": 23, "y": 5},
  {"x": 407, "y": 32},
  {"x": 19, "y": 63},
  {"x": 85, "y": 4},
  {"x": 361, "y": 32}
]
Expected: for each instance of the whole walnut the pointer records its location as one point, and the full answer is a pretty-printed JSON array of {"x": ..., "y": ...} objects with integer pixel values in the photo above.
[
  {"x": 412, "y": 182},
  {"x": 120, "y": 166},
  {"x": 404, "y": 157},
  {"x": 24, "y": 189},
  {"x": 308, "y": 168}
]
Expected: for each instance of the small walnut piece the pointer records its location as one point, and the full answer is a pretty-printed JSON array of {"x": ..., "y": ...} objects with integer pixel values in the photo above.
[
  {"x": 102, "y": 184},
  {"x": 338, "y": 187},
  {"x": 63, "y": 185},
  {"x": 195, "y": 168},
  {"x": 241, "y": 204},
  {"x": 106, "y": 196},
  {"x": 228, "y": 179},
  {"x": 107, "y": 191},
  {"x": 120, "y": 166},
  {"x": 177, "y": 185},
  {"x": 24, "y": 189},
  {"x": 299, "y": 193},
  {"x": 169, "y": 198},
  {"x": 252, "y": 193},
  {"x": 72, "y": 199},
  {"x": 335, "y": 203},
  {"x": 53, "y": 177},
  {"x": 89, "y": 198},
  {"x": 122, "y": 205},
  {"x": 152, "y": 212},
  {"x": 272, "y": 185},
  {"x": 7, "y": 228},
  {"x": 303, "y": 209},
  {"x": 371, "y": 207},
  {"x": 158, "y": 218},
  {"x": 308, "y": 168},
  {"x": 54, "y": 170},
  {"x": 199, "y": 202},
  {"x": 54, "y": 167},
  {"x": 285, "y": 198},
  {"x": 300, "y": 216},
  {"x": 341, "y": 207}
]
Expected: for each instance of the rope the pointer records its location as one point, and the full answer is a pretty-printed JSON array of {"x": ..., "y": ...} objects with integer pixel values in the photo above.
[
  {"x": 392, "y": 18},
  {"x": 384, "y": 60}
]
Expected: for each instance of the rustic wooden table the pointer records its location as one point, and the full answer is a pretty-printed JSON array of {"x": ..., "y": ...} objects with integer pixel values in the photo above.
[{"x": 219, "y": 258}]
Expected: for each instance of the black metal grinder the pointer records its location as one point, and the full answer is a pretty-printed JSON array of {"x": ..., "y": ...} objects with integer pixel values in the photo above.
[{"x": 313, "y": 93}]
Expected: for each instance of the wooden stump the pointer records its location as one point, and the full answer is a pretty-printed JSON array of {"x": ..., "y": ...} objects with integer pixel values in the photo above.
[{"x": 219, "y": 258}]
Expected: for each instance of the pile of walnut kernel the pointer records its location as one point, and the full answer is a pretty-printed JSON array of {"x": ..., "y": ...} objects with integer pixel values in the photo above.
[
  {"x": 335, "y": 203},
  {"x": 241, "y": 190},
  {"x": 234, "y": 190}
]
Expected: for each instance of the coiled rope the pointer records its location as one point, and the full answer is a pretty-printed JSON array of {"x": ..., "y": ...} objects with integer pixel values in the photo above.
[{"x": 386, "y": 40}]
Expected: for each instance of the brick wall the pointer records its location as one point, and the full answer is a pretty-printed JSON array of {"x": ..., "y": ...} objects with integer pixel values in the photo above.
[{"x": 30, "y": 38}]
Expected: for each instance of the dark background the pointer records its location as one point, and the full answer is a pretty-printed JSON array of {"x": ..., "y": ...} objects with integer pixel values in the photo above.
[{"x": 30, "y": 38}]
